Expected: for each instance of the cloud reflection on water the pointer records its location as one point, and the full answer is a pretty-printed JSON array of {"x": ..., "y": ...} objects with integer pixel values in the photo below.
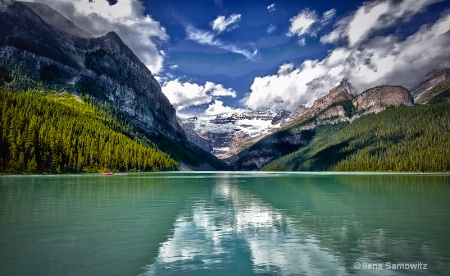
[{"x": 234, "y": 231}]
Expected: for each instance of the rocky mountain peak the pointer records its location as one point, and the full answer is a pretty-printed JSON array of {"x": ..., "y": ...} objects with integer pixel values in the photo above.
[
  {"x": 342, "y": 92},
  {"x": 421, "y": 91},
  {"x": 344, "y": 88},
  {"x": 379, "y": 98},
  {"x": 103, "y": 66}
]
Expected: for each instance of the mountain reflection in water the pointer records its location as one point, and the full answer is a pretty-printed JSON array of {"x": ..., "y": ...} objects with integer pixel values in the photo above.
[{"x": 232, "y": 225}]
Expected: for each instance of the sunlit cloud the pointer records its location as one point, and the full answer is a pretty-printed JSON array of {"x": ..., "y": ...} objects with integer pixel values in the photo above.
[
  {"x": 301, "y": 23},
  {"x": 222, "y": 23},
  {"x": 308, "y": 22},
  {"x": 373, "y": 16},
  {"x": 183, "y": 95},
  {"x": 383, "y": 60}
]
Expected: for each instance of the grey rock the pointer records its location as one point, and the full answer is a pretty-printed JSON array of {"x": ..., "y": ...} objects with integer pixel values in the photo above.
[
  {"x": 103, "y": 66},
  {"x": 379, "y": 98}
]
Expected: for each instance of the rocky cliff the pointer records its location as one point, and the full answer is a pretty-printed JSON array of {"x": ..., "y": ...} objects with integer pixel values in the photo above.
[
  {"x": 334, "y": 106},
  {"x": 228, "y": 133},
  {"x": 425, "y": 90},
  {"x": 341, "y": 104},
  {"x": 189, "y": 128},
  {"x": 379, "y": 98},
  {"x": 103, "y": 67},
  {"x": 433, "y": 79}
]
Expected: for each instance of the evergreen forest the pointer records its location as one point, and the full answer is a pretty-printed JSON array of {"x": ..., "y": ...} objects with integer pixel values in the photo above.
[
  {"x": 44, "y": 131},
  {"x": 403, "y": 139}
]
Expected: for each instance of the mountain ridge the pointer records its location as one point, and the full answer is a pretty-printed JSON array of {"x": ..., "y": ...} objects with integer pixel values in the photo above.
[
  {"x": 341, "y": 104},
  {"x": 103, "y": 67},
  {"x": 103, "y": 64}
]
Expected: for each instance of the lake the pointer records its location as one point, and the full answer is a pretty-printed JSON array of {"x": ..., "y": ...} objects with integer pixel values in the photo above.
[{"x": 226, "y": 223}]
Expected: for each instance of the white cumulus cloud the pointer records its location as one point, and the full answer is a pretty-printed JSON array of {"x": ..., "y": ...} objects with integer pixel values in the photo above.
[
  {"x": 308, "y": 22},
  {"x": 386, "y": 59},
  {"x": 373, "y": 16},
  {"x": 127, "y": 18},
  {"x": 301, "y": 23},
  {"x": 285, "y": 68},
  {"x": 217, "y": 108},
  {"x": 222, "y": 23},
  {"x": 183, "y": 95}
]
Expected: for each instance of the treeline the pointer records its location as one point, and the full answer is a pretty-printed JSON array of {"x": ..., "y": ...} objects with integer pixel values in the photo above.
[
  {"x": 403, "y": 139},
  {"x": 50, "y": 132}
]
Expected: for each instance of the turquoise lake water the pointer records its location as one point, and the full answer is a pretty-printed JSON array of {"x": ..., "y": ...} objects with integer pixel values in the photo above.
[{"x": 225, "y": 224}]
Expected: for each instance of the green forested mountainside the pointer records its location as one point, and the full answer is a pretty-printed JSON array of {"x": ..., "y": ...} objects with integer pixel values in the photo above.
[
  {"x": 20, "y": 79},
  {"x": 50, "y": 132},
  {"x": 439, "y": 93},
  {"x": 407, "y": 139}
]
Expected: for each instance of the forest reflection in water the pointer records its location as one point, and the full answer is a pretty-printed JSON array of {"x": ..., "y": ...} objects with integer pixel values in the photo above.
[{"x": 224, "y": 223}]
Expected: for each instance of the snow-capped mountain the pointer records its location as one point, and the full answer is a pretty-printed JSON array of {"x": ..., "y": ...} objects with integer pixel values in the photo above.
[{"x": 226, "y": 133}]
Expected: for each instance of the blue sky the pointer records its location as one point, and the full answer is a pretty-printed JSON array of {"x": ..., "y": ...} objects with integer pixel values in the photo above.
[
  {"x": 250, "y": 39},
  {"x": 215, "y": 56}
]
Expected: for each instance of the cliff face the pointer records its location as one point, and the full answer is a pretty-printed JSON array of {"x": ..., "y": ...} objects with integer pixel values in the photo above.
[
  {"x": 329, "y": 108},
  {"x": 432, "y": 86},
  {"x": 419, "y": 92},
  {"x": 280, "y": 117},
  {"x": 379, "y": 98},
  {"x": 344, "y": 91},
  {"x": 341, "y": 104},
  {"x": 192, "y": 136},
  {"x": 227, "y": 133},
  {"x": 103, "y": 67}
]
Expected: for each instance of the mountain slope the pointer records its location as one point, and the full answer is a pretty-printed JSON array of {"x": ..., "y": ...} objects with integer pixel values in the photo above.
[
  {"x": 341, "y": 104},
  {"x": 45, "y": 132},
  {"x": 104, "y": 67},
  {"x": 36, "y": 54},
  {"x": 224, "y": 134},
  {"x": 398, "y": 139},
  {"x": 422, "y": 89},
  {"x": 436, "y": 94}
]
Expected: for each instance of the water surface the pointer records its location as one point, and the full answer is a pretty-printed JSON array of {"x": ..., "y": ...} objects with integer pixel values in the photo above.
[{"x": 225, "y": 224}]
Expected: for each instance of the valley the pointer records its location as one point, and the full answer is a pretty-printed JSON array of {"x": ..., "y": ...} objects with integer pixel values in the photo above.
[{"x": 384, "y": 128}]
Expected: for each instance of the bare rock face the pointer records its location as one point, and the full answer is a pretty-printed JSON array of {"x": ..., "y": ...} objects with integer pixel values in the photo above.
[
  {"x": 280, "y": 117},
  {"x": 425, "y": 91},
  {"x": 103, "y": 67},
  {"x": 294, "y": 115},
  {"x": 326, "y": 107},
  {"x": 340, "y": 105},
  {"x": 193, "y": 137},
  {"x": 433, "y": 79},
  {"x": 344, "y": 91},
  {"x": 379, "y": 98},
  {"x": 336, "y": 111}
]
